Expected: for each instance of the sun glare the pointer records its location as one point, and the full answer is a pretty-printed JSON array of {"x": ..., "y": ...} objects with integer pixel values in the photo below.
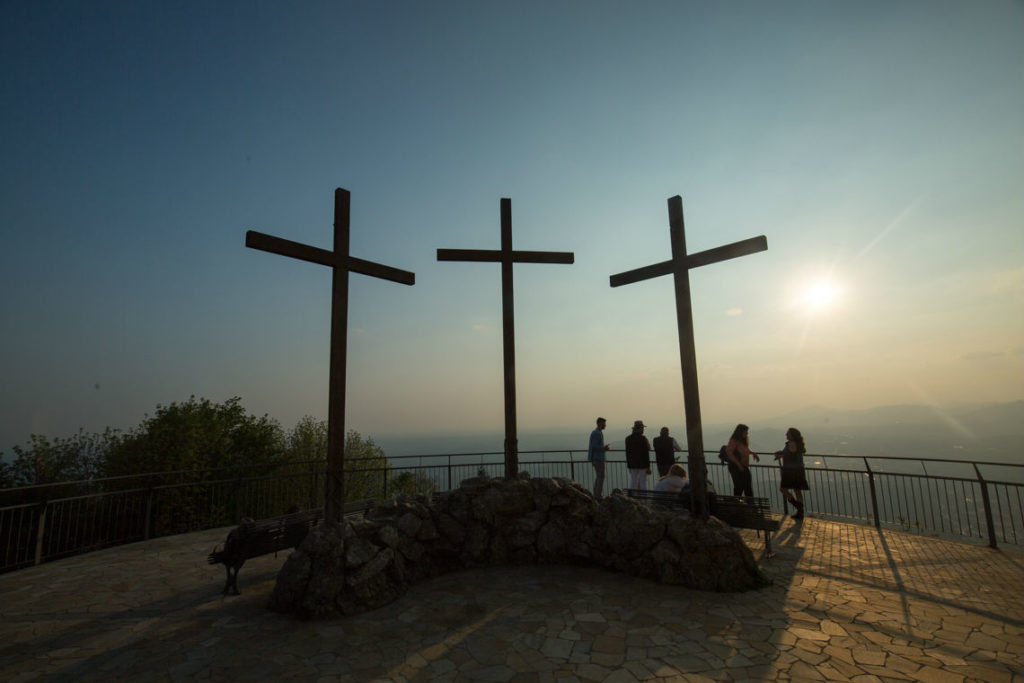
[{"x": 819, "y": 296}]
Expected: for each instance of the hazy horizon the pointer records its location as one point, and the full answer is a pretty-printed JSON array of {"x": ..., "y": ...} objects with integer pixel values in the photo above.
[
  {"x": 1004, "y": 419},
  {"x": 878, "y": 146}
]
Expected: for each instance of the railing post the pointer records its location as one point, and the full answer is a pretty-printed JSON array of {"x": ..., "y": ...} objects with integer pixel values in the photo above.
[
  {"x": 449, "y": 473},
  {"x": 148, "y": 529},
  {"x": 384, "y": 476},
  {"x": 874, "y": 496},
  {"x": 988, "y": 508},
  {"x": 572, "y": 467},
  {"x": 40, "y": 531}
]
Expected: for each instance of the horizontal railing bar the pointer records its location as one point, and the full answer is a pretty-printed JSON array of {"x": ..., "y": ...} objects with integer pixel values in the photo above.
[
  {"x": 101, "y": 480},
  {"x": 233, "y": 480},
  {"x": 299, "y": 475},
  {"x": 715, "y": 453},
  {"x": 122, "y": 477},
  {"x": 78, "y": 523}
]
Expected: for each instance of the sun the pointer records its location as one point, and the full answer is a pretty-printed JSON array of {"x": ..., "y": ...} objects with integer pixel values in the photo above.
[{"x": 819, "y": 296}]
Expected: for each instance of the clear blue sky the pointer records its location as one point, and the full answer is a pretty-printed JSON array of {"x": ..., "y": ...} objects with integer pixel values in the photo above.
[{"x": 878, "y": 145}]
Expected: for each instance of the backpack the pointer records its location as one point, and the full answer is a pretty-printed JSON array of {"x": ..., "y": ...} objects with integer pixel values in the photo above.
[{"x": 722, "y": 456}]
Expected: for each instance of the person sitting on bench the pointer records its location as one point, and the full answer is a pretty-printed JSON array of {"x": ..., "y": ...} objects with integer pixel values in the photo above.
[{"x": 674, "y": 480}]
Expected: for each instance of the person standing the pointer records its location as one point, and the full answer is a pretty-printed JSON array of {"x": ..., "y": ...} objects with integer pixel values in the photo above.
[
  {"x": 638, "y": 457},
  {"x": 595, "y": 454},
  {"x": 738, "y": 452},
  {"x": 793, "y": 475},
  {"x": 665, "y": 448}
]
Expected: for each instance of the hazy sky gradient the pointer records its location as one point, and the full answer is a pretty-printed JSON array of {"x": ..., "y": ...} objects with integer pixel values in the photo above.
[{"x": 877, "y": 145}]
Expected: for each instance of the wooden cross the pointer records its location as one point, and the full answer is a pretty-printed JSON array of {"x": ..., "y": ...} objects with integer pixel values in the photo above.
[
  {"x": 506, "y": 256},
  {"x": 679, "y": 266},
  {"x": 341, "y": 263}
]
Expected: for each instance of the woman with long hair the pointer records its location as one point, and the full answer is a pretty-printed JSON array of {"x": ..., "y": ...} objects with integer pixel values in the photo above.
[
  {"x": 793, "y": 476},
  {"x": 738, "y": 452}
]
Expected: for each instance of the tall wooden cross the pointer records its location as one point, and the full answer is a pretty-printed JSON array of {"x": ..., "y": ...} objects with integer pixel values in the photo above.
[
  {"x": 679, "y": 266},
  {"x": 341, "y": 263},
  {"x": 506, "y": 256}
]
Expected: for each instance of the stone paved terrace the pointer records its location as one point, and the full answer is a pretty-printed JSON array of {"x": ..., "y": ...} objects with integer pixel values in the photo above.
[{"x": 847, "y": 603}]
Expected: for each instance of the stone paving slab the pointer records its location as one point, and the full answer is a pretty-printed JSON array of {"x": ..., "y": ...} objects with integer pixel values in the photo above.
[{"x": 847, "y": 603}]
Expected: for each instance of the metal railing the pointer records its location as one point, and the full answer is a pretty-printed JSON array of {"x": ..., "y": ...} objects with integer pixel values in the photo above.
[
  {"x": 48, "y": 522},
  {"x": 50, "y": 529}
]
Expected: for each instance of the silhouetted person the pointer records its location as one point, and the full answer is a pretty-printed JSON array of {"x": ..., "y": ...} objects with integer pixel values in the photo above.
[
  {"x": 665, "y": 448},
  {"x": 738, "y": 452},
  {"x": 793, "y": 475},
  {"x": 638, "y": 457},
  {"x": 595, "y": 454}
]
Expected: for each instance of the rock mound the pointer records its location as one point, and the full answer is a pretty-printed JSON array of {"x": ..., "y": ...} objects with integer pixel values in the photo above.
[{"x": 360, "y": 565}]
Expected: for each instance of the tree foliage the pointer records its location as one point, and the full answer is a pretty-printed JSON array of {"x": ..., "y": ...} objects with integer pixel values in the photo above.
[
  {"x": 366, "y": 467},
  {"x": 197, "y": 434},
  {"x": 366, "y": 464},
  {"x": 307, "y": 440},
  {"x": 42, "y": 461}
]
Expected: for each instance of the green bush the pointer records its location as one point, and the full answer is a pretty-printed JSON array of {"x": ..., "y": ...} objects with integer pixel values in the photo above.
[{"x": 197, "y": 435}]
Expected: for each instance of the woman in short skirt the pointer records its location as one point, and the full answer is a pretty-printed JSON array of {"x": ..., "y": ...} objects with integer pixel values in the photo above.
[{"x": 793, "y": 476}]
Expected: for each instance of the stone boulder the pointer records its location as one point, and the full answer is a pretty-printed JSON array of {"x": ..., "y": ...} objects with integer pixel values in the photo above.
[{"x": 360, "y": 565}]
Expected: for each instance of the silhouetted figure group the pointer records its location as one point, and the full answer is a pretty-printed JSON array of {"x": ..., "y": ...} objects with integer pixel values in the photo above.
[
  {"x": 736, "y": 455},
  {"x": 638, "y": 455}
]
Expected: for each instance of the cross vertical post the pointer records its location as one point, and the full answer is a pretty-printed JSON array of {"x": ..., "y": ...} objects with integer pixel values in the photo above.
[
  {"x": 508, "y": 343},
  {"x": 507, "y": 256},
  {"x": 687, "y": 355},
  {"x": 680, "y": 266},
  {"x": 335, "y": 493},
  {"x": 341, "y": 263}
]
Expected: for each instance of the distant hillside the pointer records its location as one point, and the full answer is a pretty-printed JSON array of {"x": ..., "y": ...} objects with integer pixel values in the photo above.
[
  {"x": 993, "y": 432},
  {"x": 971, "y": 432},
  {"x": 993, "y": 418}
]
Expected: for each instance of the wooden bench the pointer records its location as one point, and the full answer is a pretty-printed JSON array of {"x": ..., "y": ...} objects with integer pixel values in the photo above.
[
  {"x": 746, "y": 512},
  {"x": 253, "y": 538},
  {"x": 736, "y": 511}
]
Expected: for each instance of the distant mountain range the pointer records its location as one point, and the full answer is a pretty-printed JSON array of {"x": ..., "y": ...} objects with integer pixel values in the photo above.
[
  {"x": 981, "y": 432},
  {"x": 991, "y": 418},
  {"x": 976, "y": 432}
]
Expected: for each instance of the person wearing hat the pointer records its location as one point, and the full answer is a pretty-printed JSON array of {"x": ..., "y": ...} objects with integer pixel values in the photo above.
[{"x": 638, "y": 457}]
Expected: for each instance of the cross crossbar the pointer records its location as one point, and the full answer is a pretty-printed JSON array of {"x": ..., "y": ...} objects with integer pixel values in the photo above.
[
  {"x": 496, "y": 256},
  {"x": 304, "y": 252},
  {"x": 701, "y": 258}
]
